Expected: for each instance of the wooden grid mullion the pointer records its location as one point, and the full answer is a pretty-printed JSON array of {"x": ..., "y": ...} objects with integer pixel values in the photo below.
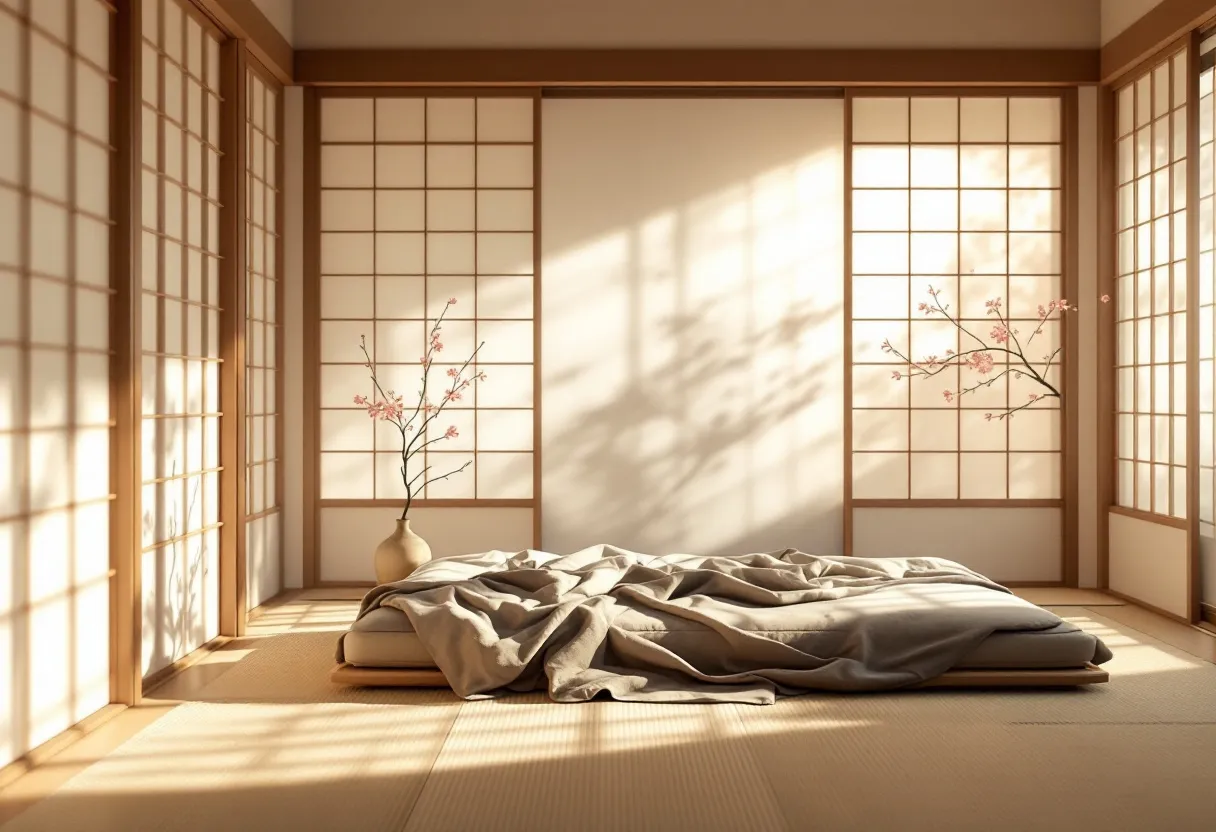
[
  {"x": 958, "y": 254},
  {"x": 908, "y": 323},
  {"x": 477, "y": 143},
  {"x": 1008, "y": 289},
  {"x": 376, "y": 280},
  {"x": 426, "y": 264},
  {"x": 73, "y": 381},
  {"x": 22, "y": 588},
  {"x": 1168, "y": 171}
]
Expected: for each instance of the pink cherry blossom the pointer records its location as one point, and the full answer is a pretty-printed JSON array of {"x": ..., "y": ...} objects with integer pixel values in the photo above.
[
  {"x": 1000, "y": 334},
  {"x": 1105, "y": 298},
  {"x": 453, "y": 372},
  {"x": 896, "y": 375},
  {"x": 451, "y": 432},
  {"x": 451, "y": 301},
  {"x": 948, "y": 395},
  {"x": 981, "y": 362},
  {"x": 360, "y": 399}
]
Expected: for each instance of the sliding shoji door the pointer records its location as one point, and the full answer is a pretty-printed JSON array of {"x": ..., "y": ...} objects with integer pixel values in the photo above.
[
  {"x": 263, "y": 510},
  {"x": 1150, "y": 538},
  {"x": 180, "y": 331},
  {"x": 417, "y": 199},
  {"x": 55, "y": 492},
  {"x": 1206, "y": 245},
  {"x": 963, "y": 194}
]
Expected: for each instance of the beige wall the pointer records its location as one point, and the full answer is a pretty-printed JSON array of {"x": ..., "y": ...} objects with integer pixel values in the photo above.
[
  {"x": 1117, "y": 15},
  {"x": 706, "y": 23},
  {"x": 280, "y": 13},
  {"x": 691, "y": 324}
]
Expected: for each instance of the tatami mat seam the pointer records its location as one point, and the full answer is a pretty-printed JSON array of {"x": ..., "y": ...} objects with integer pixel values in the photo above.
[
  {"x": 753, "y": 755},
  {"x": 431, "y": 768}
]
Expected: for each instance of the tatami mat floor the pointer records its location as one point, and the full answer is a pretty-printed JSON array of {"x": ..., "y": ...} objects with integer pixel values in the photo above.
[{"x": 255, "y": 737}]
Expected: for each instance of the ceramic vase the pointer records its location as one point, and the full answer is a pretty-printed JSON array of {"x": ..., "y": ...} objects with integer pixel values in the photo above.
[{"x": 399, "y": 554}]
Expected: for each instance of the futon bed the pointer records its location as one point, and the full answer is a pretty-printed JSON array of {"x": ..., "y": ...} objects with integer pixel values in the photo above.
[{"x": 683, "y": 628}]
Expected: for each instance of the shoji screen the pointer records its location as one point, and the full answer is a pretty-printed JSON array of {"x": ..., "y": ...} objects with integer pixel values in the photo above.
[
  {"x": 181, "y": 324},
  {"x": 55, "y": 155},
  {"x": 263, "y": 334},
  {"x": 1149, "y": 540},
  {"x": 963, "y": 195},
  {"x": 423, "y": 199},
  {"x": 1207, "y": 328}
]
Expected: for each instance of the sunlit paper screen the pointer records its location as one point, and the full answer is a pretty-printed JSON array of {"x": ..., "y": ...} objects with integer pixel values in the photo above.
[
  {"x": 422, "y": 200},
  {"x": 961, "y": 194},
  {"x": 1151, "y": 289},
  {"x": 55, "y": 144},
  {"x": 181, "y": 328},
  {"x": 263, "y": 377}
]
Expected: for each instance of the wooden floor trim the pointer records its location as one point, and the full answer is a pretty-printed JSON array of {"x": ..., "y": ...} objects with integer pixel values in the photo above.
[
  {"x": 158, "y": 678},
  {"x": 56, "y": 744}
]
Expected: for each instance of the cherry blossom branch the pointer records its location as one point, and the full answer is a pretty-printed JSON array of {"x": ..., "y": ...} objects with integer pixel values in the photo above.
[
  {"x": 389, "y": 407},
  {"x": 980, "y": 359}
]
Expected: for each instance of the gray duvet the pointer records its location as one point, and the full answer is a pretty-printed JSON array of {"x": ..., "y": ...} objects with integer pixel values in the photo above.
[{"x": 785, "y": 622}]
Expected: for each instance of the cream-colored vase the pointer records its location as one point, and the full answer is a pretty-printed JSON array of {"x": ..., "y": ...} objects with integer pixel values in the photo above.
[{"x": 399, "y": 554}]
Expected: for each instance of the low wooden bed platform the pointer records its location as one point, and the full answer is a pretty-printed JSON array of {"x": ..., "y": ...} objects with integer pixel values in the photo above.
[{"x": 347, "y": 674}]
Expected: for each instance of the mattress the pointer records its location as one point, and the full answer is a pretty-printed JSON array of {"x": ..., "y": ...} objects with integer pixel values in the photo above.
[{"x": 385, "y": 638}]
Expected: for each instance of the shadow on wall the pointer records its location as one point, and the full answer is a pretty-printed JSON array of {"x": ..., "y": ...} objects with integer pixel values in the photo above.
[{"x": 692, "y": 324}]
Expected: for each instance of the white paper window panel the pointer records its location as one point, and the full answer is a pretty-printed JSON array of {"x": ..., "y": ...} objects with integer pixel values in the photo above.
[
  {"x": 346, "y": 430},
  {"x": 442, "y": 288},
  {"x": 1021, "y": 544},
  {"x": 458, "y": 486},
  {"x": 347, "y": 120},
  {"x": 349, "y": 536},
  {"x": 48, "y": 238},
  {"x": 504, "y": 296},
  {"x": 458, "y": 339},
  {"x": 396, "y": 166},
  {"x": 344, "y": 296},
  {"x": 400, "y": 341},
  {"x": 49, "y": 67},
  {"x": 504, "y": 166},
  {"x": 399, "y": 211},
  {"x": 348, "y": 253},
  {"x": 504, "y": 119},
  {"x": 1148, "y": 561},
  {"x": 400, "y": 297},
  {"x": 349, "y": 166},
  {"x": 48, "y": 173},
  {"x": 504, "y": 430},
  {"x": 450, "y": 166},
  {"x": 506, "y": 341},
  {"x": 400, "y": 119},
  {"x": 504, "y": 210},
  {"x": 263, "y": 546},
  {"x": 504, "y": 254},
  {"x": 452, "y": 253},
  {"x": 186, "y": 598},
  {"x": 450, "y": 119},
  {"x": 347, "y": 476},
  {"x": 451, "y": 210}
]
